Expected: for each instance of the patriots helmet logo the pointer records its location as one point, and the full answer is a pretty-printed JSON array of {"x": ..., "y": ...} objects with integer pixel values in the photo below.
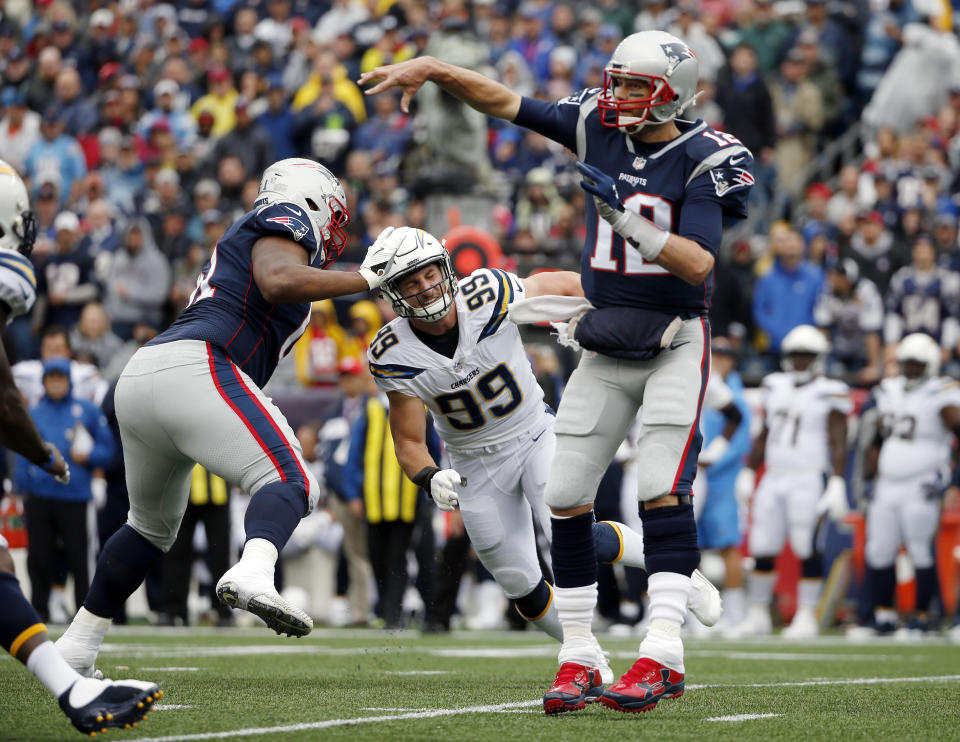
[
  {"x": 726, "y": 179},
  {"x": 296, "y": 226},
  {"x": 676, "y": 52}
]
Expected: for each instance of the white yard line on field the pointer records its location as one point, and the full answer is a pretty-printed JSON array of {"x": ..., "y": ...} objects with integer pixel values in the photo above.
[
  {"x": 418, "y": 672},
  {"x": 170, "y": 669},
  {"x": 503, "y": 707},
  {"x": 742, "y": 717},
  {"x": 170, "y": 707}
]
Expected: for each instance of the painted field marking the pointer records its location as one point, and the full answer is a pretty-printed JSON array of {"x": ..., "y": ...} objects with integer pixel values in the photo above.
[
  {"x": 742, "y": 717},
  {"x": 418, "y": 672},
  {"x": 170, "y": 669},
  {"x": 170, "y": 706},
  {"x": 502, "y": 707}
]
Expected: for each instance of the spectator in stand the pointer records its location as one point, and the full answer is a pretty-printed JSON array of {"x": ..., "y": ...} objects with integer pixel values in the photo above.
[
  {"x": 389, "y": 48},
  {"x": 847, "y": 197},
  {"x": 883, "y": 35},
  {"x": 57, "y": 513},
  {"x": 17, "y": 69},
  {"x": 763, "y": 31},
  {"x": 138, "y": 281},
  {"x": 101, "y": 236},
  {"x": 317, "y": 353},
  {"x": 99, "y": 47},
  {"x": 365, "y": 321},
  {"x": 798, "y": 107},
  {"x": 944, "y": 239},
  {"x": 19, "y": 128},
  {"x": 219, "y": 101},
  {"x": 784, "y": 298},
  {"x": 328, "y": 73},
  {"x": 277, "y": 119},
  {"x": 850, "y": 310},
  {"x": 247, "y": 141},
  {"x": 923, "y": 297},
  {"x": 538, "y": 208},
  {"x": 821, "y": 72},
  {"x": 838, "y": 48},
  {"x": 387, "y": 132},
  {"x": 143, "y": 333},
  {"x": 79, "y": 115},
  {"x": 535, "y": 41},
  {"x": 92, "y": 339},
  {"x": 124, "y": 178},
  {"x": 44, "y": 78},
  {"x": 730, "y": 310},
  {"x": 885, "y": 199},
  {"x": 689, "y": 29},
  {"x": 181, "y": 124},
  {"x": 65, "y": 279},
  {"x": 56, "y": 152},
  {"x": 872, "y": 249}
]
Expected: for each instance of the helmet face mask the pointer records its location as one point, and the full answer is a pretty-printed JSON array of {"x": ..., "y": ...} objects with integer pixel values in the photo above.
[
  {"x": 318, "y": 192},
  {"x": 804, "y": 353},
  {"x": 666, "y": 63},
  {"x": 419, "y": 251},
  {"x": 18, "y": 225},
  {"x": 918, "y": 357}
]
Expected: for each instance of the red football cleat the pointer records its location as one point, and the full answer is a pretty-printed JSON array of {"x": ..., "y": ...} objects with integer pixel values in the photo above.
[
  {"x": 574, "y": 687},
  {"x": 642, "y": 686}
]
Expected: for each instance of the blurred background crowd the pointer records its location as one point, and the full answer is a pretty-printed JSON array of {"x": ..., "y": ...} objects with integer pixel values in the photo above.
[{"x": 142, "y": 129}]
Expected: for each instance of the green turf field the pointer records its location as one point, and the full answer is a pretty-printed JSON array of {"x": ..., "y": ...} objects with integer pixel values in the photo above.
[{"x": 247, "y": 684}]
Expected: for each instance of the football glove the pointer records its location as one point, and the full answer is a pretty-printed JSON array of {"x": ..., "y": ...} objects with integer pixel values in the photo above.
[
  {"x": 441, "y": 484},
  {"x": 833, "y": 501},
  {"x": 744, "y": 485},
  {"x": 712, "y": 453},
  {"x": 379, "y": 259},
  {"x": 640, "y": 232}
]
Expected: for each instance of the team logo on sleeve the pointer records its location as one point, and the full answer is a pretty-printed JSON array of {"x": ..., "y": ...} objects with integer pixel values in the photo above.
[
  {"x": 726, "y": 179},
  {"x": 296, "y": 226}
]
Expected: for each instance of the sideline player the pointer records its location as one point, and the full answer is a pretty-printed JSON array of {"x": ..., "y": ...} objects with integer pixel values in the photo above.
[
  {"x": 452, "y": 349},
  {"x": 803, "y": 440},
  {"x": 918, "y": 414},
  {"x": 662, "y": 188},
  {"x": 92, "y": 705},
  {"x": 193, "y": 395}
]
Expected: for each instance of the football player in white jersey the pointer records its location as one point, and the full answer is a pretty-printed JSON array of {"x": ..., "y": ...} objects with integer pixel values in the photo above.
[
  {"x": 913, "y": 418},
  {"x": 92, "y": 705},
  {"x": 452, "y": 349},
  {"x": 803, "y": 441}
]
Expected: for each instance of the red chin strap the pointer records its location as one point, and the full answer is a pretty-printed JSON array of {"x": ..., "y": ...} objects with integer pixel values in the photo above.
[
  {"x": 637, "y": 109},
  {"x": 339, "y": 219}
]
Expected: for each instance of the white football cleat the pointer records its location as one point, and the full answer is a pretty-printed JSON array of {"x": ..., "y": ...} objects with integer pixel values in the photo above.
[
  {"x": 240, "y": 588},
  {"x": 704, "y": 601},
  {"x": 803, "y": 626},
  {"x": 757, "y": 622}
]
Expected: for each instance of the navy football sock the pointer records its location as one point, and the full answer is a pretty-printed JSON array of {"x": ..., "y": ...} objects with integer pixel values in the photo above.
[
  {"x": 881, "y": 584},
  {"x": 574, "y": 556},
  {"x": 274, "y": 512},
  {"x": 532, "y": 605},
  {"x": 123, "y": 565},
  {"x": 811, "y": 568},
  {"x": 926, "y": 588},
  {"x": 670, "y": 539},
  {"x": 763, "y": 564},
  {"x": 606, "y": 541},
  {"x": 18, "y": 618}
]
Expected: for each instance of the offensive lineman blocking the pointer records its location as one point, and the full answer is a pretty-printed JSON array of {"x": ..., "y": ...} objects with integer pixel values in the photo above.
[
  {"x": 662, "y": 187},
  {"x": 193, "y": 395},
  {"x": 452, "y": 349}
]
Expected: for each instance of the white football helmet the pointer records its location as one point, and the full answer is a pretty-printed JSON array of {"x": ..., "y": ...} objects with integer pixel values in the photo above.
[
  {"x": 18, "y": 226},
  {"x": 919, "y": 348},
  {"x": 316, "y": 190},
  {"x": 670, "y": 66},
  {"x": 804, "y": 339},
  {"x": 417, "y": 250}
]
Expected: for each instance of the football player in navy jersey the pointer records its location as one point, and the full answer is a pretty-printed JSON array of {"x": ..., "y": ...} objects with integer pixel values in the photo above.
[
  {"x": 662, "y": 188},
  {"x": 193, "y": 395}
]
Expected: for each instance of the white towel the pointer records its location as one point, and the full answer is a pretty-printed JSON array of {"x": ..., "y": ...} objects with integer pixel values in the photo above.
[{"x": 548, "y": 309}]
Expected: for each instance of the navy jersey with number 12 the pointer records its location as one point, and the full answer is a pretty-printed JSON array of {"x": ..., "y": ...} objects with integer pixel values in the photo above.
[
  {"x": 689, "y": 185},
  {"x": 227, "y": 309}
]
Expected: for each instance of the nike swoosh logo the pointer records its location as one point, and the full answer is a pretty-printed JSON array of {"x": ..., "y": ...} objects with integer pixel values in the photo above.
[
  {"x": 674, "y": 346},
  {"x": 292, "y": 210},
  {"x": 739, "y": 159},
  {"x": 538, "y": 435}
]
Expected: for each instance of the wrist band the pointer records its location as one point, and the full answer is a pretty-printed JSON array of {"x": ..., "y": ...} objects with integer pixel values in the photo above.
[{"x": 422, "y": 478}]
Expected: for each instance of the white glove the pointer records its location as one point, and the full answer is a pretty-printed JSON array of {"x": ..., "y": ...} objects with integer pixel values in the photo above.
[
  {"x": 443, "y": 490},
  {"x": 379, "y": 259},
  {"x": 98, "y": 486},
  {"x": 833, "y": 501},
  {"x": 744, "y": 485},
  {"x": 712, "y": 453}
]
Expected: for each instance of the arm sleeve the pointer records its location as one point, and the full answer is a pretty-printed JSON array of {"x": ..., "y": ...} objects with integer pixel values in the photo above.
[{"x": 556, "y": 121}]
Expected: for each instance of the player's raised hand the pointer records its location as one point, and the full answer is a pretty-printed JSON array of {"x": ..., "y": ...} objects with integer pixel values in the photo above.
[
  {"x": 379, "y": 259},
  {"x": 602, "y": 187},
  {"x": 408, "y": 76}
]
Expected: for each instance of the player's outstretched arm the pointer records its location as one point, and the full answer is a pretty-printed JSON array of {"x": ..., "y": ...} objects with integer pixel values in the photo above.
[
  {"x": 283, "y": 274},
  {"x": 17, "y": 431},
  {"x": 553, "y": 283},
  {"x": 486, "y": 95}
]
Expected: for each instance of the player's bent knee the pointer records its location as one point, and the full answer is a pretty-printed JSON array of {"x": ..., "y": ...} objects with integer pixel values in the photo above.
[
  {"x": 515, "y": 583},
  {"x": 659, "y": 455},
  {"x": 879, "y": 555},
  {"x": 158, "y": 534},
  {"x": 573, "y": 481}
]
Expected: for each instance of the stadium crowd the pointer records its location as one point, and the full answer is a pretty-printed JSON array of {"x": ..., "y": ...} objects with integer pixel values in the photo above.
[{"x": 142, "y": 129}]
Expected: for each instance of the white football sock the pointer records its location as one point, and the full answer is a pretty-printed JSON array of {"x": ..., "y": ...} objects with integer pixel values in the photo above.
[
  {"x": 808, "y": 593},
  {"x": 259, "y": 558},
  {"x": 575, "y": 607},
  {"x": 734, "y": 604},
  {"x": 668, "y": 593},
  {"x": 663, "y": 644},
  {"x": 80, "y": 643},
  {"x": 632, "y": 543},
  {"x": 51, "y": 669},
  {"x": 760, "y": 588}
]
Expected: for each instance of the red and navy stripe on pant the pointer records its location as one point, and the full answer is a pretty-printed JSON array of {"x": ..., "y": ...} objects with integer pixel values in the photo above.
[
  {"x": 687, "y": 470},
  {"x": 243, "y": 400}
]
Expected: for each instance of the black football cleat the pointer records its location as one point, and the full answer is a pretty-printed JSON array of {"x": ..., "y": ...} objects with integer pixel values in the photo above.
[{"x": 97, "y": 705}]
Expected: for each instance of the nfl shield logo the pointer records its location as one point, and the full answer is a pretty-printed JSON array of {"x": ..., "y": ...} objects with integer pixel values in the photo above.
[
  {"x": 458, "y": 367},
  {"x": 639, "y": 162}
]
